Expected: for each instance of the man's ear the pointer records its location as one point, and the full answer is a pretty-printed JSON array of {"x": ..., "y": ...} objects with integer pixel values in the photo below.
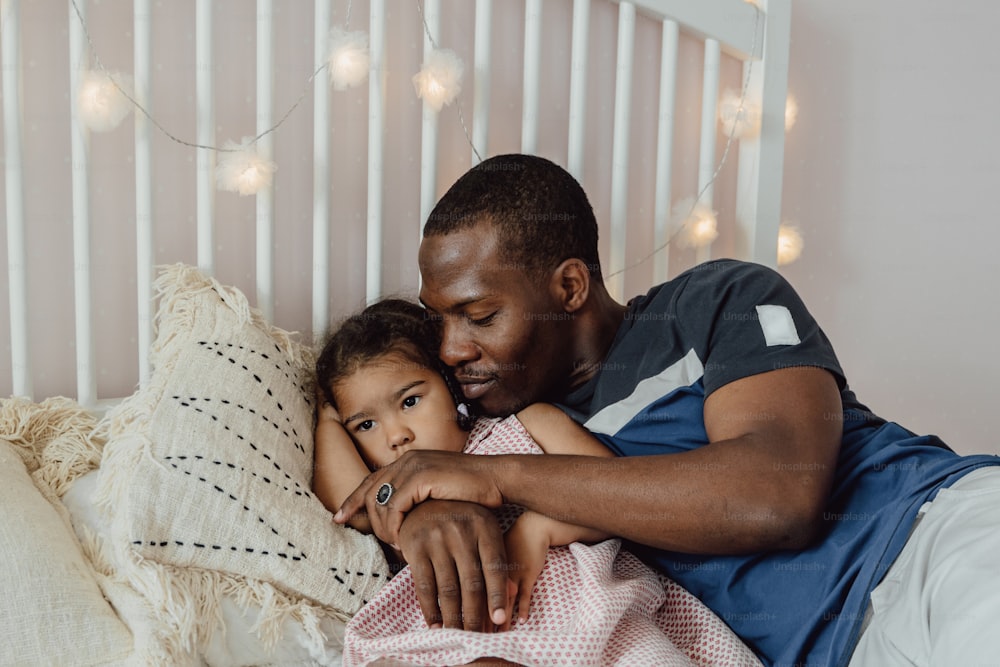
[{"x": 571, "y": 284}]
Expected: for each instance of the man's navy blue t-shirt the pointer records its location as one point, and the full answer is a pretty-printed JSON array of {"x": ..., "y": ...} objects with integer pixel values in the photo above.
[{"x": 720, "y": 322}]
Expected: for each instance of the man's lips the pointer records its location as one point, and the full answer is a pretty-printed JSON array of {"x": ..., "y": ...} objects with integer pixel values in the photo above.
[{"x": 474, "y": 388}]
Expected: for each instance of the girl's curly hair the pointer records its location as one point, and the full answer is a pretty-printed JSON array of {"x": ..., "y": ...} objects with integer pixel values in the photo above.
[{"x": 390, "y": 325}]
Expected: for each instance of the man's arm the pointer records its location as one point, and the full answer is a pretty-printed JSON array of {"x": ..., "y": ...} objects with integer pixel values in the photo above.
[{"x": 761, "y": 483}]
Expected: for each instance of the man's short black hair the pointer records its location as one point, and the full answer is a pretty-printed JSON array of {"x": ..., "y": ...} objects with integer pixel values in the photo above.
[{"x": 541, "y": 214}]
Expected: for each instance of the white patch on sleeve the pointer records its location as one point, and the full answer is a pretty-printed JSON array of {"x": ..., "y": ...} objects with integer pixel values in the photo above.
[{"x": 777, "y": 325}]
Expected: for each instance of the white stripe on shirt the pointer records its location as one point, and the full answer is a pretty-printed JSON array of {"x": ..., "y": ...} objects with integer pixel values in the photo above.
[{"x": 682, "y": 373}]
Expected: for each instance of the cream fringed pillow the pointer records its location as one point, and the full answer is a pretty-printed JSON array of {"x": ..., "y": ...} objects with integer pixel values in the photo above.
[
  {"x": 53, "y": 612},
  {"x": 206, "y": 474}
]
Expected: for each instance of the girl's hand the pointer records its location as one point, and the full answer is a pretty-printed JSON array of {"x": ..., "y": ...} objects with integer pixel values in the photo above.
[
  {"x": 527, "y": 543},
  {"x": 326, "y": 411}
]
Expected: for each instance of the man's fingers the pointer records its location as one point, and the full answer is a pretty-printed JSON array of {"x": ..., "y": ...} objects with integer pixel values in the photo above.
[
  {"x": 377, "y": 519},
  {"x": 426, "y": 588},
  {"x": 494, "y": 560},
  {"x": 357, "y": 500},
  {"x": 363, "y": 498},
  {"x": 474, "y": 612},
  {"x": 447, "y": 544},
  {"x": 390, "y": 521},
  {"x": 449, "y": 595},
  {"x": 511, "y": 596}
]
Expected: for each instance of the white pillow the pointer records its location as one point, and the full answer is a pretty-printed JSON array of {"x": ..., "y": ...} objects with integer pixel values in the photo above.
[
  {"x": 206, "y": 476},
  {"x": 235, "y": 641},
  {"x": 53, "y": 610}
]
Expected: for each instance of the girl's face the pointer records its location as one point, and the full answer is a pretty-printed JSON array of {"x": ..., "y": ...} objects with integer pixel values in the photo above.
[{"x": 393, "y": 404}]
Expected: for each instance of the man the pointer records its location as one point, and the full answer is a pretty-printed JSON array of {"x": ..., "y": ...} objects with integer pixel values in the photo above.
[{"x": 749, "y": 472}]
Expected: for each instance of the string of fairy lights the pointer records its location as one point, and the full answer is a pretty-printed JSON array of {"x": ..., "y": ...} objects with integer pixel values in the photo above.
[
  {"x": 696, "y": 222},
  {"x": 104, "y": 99}
]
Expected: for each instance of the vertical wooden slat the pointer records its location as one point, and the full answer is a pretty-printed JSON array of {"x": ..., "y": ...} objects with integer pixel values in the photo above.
[
  {"x": 532, "y": 75},
  {"x": 481, "y": 80},
  {"x": 620, "y": 148},
  {"x": 706, "y": 159},
  {"x": 429, "y": 124},
  {"x": 376, "y": 106},
  {"x": 321, "y": 176},
  {"x": 665, "y": 148},
  {"x": 578, "y": 88},
  {"x": 730, "y": 22},
  {"x": 205, "y": 128},
  {"x": 761, "y": 159},
  {"x": 17, "y": 264},
  {"x": 265, "y": 148},
  {"x": 142, "y": 58},
  {"x": 86, "y": 381}
]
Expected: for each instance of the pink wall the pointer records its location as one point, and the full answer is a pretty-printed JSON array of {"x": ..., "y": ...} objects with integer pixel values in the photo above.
[{"x": 891, "y": 173}]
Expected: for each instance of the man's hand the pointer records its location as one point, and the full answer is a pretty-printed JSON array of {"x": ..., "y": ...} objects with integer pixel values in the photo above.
[
  {"x": 419, "y": 475},
  {"x": 456, "y": 555}
]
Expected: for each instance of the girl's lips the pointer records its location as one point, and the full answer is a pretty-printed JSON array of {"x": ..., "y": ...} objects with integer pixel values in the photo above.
[{"x": 474, "y": 390}]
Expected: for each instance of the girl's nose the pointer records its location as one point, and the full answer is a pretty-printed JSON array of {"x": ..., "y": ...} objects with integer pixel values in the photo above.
[{"x": 400, "y": 436}]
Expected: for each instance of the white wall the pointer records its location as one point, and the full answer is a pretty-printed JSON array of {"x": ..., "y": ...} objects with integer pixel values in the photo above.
[{"x": 891, "y": 172}]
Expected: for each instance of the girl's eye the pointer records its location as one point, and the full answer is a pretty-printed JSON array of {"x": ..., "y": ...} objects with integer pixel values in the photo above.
[
  {"x": 366, "y": 425},
  {"x": 410, "y": 401}
]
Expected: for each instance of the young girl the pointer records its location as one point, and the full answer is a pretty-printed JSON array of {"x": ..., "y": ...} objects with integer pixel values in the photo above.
[{"x": 386, "y": 393}]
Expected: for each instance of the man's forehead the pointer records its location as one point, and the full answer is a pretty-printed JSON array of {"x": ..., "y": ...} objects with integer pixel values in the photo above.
[
  {"x": 458, "y": 267},
  {"x": 456, "y": 244},
  {"x": 443, "y": 297}
]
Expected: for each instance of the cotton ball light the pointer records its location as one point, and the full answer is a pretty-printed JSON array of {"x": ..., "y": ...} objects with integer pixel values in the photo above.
[
  {"x": 101, "y": 103},
  {"x": 439, "y": 80},
  {"x": 348, "y": 58},
  {"x": 790, "y": 243},
  {"x": 242, "y": 169},
  {"x": 697, "y": 223},
  {"x": 739, "y": 117},
  {"x": 791, "y": 112}
]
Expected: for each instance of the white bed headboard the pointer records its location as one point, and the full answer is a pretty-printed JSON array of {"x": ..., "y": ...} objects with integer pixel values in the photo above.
[{"x": 623, "y": 94}]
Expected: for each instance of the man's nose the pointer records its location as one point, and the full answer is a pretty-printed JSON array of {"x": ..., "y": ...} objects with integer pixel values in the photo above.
[{"x": 456, "y": 348}]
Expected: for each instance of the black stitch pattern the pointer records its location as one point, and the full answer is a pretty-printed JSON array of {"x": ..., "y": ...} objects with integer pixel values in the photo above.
[
  {"x": 172, "y": 461},
  {"x": 212, "y": 471},
  {"x": 289, "y": 481},
  {"x": 251, "y": 550},
  {"x": 228, "y": 352}
]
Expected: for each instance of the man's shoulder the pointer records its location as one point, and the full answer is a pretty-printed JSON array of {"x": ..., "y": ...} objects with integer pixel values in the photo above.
[
  {"x": 704, "y": 280},
  {"x": 731, "y": 281},
  {"x": 726, "y": 270}
]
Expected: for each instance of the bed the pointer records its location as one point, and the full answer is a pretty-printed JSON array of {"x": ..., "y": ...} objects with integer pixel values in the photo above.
[{"x": 193, "y": 194}]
